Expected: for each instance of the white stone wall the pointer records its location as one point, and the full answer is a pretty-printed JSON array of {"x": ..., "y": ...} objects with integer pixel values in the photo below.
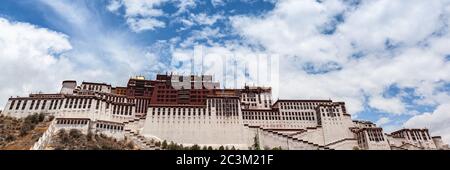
[
  {"x": 346, "y": 144},
  {"x": 61, "y": 107},
  {"x": 439, "y": 144},
  {"x": 336, "y": 127},
  {"x": 271, "y": 140},
  {"x": 312, "y": 135},
  {"x": 68, "y": 124},
  {"x": 198, "y": 129},
  {"x": 201, "y": 125},
  {"x": 25, "y": 109},
  {"x": 68, "y": 87}
]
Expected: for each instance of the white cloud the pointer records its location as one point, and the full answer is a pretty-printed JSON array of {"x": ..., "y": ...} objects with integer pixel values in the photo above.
[
  {"x": 184, "y": 5},
  {"x": 390, "y": 105},
  {"x": 293, "y": 30},
  {"x": 139, "y": 25},
  {"x": 401, "y": 21},
  {"x": 437, "y": 122},
  {"x": 98, "y": 46},
  {"x": 205, "y": 19},
  {"x": 201, "y": 19},
  {"x": 32, "y": 59},
  {"x": 114, "y": 5},
  {"x": 206, "y": 34},
  {"x": 217, "y": 3},
  {"x": 140, "y": 15},
  {"x": 382, "y": 121}
]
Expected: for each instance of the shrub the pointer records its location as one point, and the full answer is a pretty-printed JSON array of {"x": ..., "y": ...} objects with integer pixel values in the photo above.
[
  {"x": 195, "y": 147},
  {"x": 130, "y": 145},
  {"x": 33, "y": 119},
  {"x": 61, "y": 132},
  {"x": 25, "y": 128},
  {"x": 41, "y": 117},
  {"x": 75, "y": 133},
  {"x": 89, "y": 136},
  {"x": 10, "y": 138},
  {"x": 63, "y": 136},
  {"x": 51, "y": 117},
  {"x": 164, "y": 144},
  {"x": 205, "y": 148},
  {"x": 221, "y": 148},
  {"x": 277, "y": 148},
  {"x": 210, "y": 148}
]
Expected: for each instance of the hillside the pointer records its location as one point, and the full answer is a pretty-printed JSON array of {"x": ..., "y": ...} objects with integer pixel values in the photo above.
[
  {"x": 21, "y": 134},
  {"x": 75, "y": 140}
]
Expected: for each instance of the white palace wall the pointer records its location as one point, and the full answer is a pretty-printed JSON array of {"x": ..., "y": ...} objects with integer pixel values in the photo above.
[{"x": 202, "y": 130}]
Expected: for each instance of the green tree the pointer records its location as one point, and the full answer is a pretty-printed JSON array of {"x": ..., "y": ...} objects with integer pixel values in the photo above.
[
  {"x": 172, "y": 146},
  {"x": 41, "y": 117},
  {"x": 277, "y": 148},
  {"x": 221, "y": 148},
  {"x": 195, "y": 147},
  {"x": 256, "y": 143},
  {"x": 164, "y": 144}
]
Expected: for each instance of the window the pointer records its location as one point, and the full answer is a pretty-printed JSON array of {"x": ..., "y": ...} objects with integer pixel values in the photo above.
[
  {"x": 80, "y": 103},
  {"x": 66, "y": 103},
  {"x": 37, "y": 104},
  {"x": 43, "y": 104},
  {"x": 32, "y": 104},
  {"x": 89, "y": 103},
  {"x": 97, "y": 105},
  {"x": 56, "y": 104},
  {"x": 24, "y": 104},
  {"x": 51, "y": 105},
  {"x": 70, "y": 103},
  {"x": 18, "y": 104},
  {"x": 75, "y": 103},
  {"x": 12, "y": 104}
]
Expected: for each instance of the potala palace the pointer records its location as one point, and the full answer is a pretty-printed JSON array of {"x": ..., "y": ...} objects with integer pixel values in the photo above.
[{"x": 192, "y": 110}]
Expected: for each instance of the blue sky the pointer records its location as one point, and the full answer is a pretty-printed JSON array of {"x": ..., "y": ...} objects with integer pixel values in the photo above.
[{"x": 388, "y": 60}]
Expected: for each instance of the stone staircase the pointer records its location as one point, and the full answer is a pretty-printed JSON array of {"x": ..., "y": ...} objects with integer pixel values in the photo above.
[
  {"x": 298, "y": 133},
  {"x": 141, "y": 141},
  {"x": 320, "y": 147},
  {"x": 134, "y": 124},
  {"x": 339, "y": 141},
  {"x": 131, "y": 130},
  {"x": 305, "y": 132}
]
